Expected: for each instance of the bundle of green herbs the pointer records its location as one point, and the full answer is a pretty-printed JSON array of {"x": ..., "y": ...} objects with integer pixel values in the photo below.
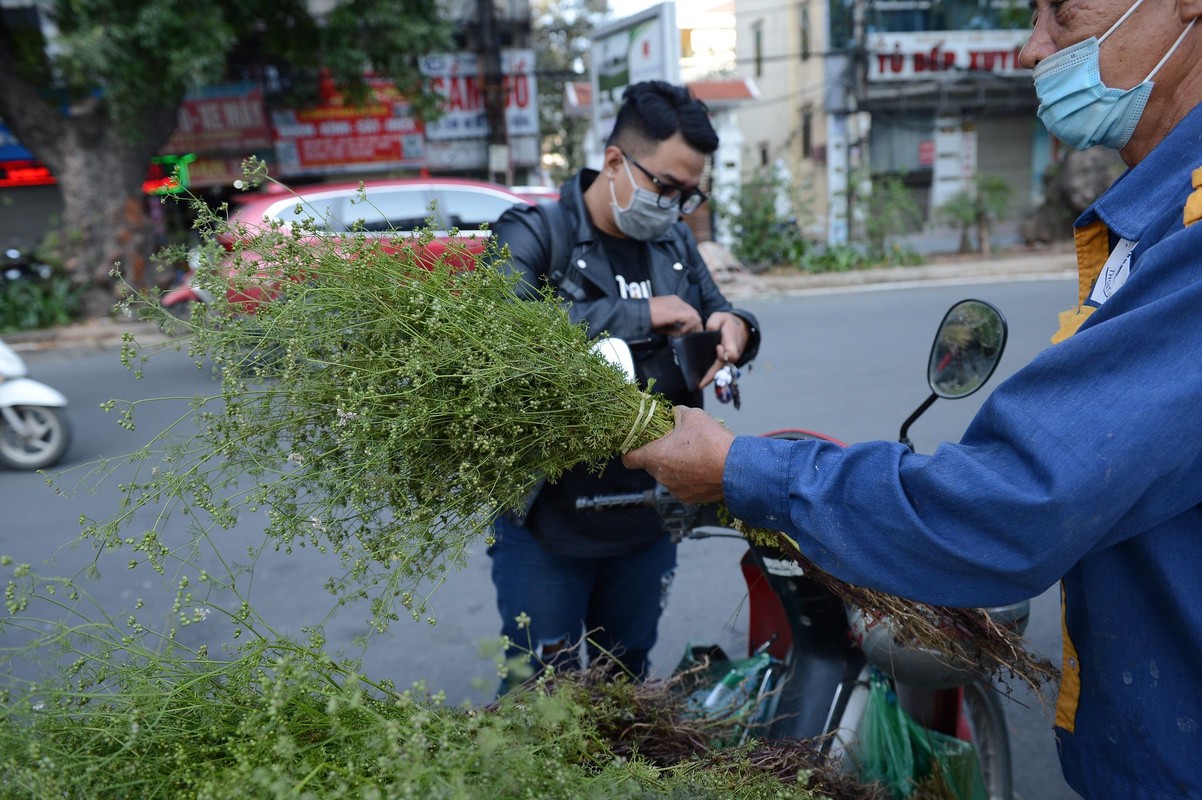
[
  {"x": 138, "y": 716},
  {"x": 382, "y": 400}
]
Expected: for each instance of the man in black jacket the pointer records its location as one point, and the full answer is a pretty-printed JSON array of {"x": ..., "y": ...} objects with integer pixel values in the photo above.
[{"x": 624, "y": 264}]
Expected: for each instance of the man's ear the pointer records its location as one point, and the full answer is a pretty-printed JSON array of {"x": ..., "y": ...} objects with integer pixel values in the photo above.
[{"x": 613, "y": 160}]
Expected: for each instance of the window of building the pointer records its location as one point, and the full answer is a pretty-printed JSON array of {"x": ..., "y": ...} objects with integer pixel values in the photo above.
[
  {"x": 757, "y": 38},
  {"x": 763, "y": 154},
  {"x": 805, "y": 31},
  {"x": 807, "y": 132}
]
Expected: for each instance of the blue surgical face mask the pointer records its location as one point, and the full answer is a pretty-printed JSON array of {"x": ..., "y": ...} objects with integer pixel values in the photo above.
[{"x": 1080, "y": 110}]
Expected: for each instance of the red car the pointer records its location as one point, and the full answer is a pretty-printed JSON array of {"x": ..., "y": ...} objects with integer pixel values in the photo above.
[{"x": 394, "y": 208}]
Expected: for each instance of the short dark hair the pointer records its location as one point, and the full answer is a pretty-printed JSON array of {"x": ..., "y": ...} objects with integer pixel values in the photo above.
[{"x": 653, "y": 111}]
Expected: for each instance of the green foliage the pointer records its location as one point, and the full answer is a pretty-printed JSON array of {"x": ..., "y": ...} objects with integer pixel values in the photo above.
[
  {"x": 987, "y": 202},
  {"x": 386, "y": 35},
  {"x": 767, "y": 238},
  {"x": 766, "y": 234},
  {"x": 142, "y": 54},
  {"x": 835, "y": 258},
  {"x": 560, "y": 36},
  {"x": 27, "y": 305},
  {"x": 890, "y": 211},
  {"x": 1014, "y": 15},
  {"x": 136, "y": 55},
  {"x": 135, "y": 714}
]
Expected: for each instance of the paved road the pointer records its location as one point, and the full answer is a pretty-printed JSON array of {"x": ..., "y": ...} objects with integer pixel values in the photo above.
[{"x": 850, "y": 364}]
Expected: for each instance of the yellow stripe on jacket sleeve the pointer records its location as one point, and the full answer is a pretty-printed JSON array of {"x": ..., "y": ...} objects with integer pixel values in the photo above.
[
  {"x": 1070, "y": 676},
  {"x": 1193, "y": 204}
]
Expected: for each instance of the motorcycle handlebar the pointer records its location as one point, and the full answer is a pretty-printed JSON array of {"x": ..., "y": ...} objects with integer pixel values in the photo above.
[
  {"x": 607, "y": 502},
  {"x": 681, "y": 520}
]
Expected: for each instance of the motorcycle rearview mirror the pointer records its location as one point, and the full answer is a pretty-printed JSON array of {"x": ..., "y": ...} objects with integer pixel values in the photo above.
[
  {"x": 617, "y": 353},
  {"x": 967, "y": 349}
]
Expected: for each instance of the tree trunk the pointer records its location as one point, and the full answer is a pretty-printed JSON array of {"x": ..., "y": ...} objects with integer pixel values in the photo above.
[
  {"x": 99, "y": 165},
  {"x": 983, "y": 232},
  {"x": 105, "y": 228},
  {"x": 965, "y": 242}
]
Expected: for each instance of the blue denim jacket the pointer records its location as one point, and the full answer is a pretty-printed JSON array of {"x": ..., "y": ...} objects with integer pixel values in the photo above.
[{"x": 1085, "y": 467}]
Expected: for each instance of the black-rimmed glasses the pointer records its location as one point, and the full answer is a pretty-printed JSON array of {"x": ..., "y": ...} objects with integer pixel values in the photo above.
[{"x": 689, "y": 200}]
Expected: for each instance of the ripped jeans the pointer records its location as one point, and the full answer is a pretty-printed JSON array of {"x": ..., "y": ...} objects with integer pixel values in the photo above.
[{"x": 615, "y": 601}]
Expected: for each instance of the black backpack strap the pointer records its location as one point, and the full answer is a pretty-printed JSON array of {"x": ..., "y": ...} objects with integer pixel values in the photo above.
[{"x": 559, "y": 232}]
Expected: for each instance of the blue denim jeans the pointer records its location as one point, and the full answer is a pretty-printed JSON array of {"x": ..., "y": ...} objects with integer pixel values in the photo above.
[{"x": 615, "y": 602}]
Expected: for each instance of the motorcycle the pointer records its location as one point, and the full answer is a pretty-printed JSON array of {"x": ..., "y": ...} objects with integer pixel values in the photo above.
[
  {"x": 20, "y": 266},
  {"x": 812, "y": 658},
  {"x": 34, "y": 430}
]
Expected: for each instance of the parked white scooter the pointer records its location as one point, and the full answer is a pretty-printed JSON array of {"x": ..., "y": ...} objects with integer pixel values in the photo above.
[{"x": 34, "y": 431}]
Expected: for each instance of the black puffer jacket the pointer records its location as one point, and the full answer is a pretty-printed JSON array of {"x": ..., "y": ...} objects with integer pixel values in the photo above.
[{"x": 587, "y": 285}]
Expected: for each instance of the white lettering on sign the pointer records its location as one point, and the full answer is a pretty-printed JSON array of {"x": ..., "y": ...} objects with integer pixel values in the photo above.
[
  {"x": 913, "y": 56},
  {"x": 458, "y": 79}
]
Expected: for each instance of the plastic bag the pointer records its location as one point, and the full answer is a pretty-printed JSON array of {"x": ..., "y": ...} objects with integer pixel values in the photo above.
[
  {"x": 897, "y": 752},
  {"x": 738, "y": 690}
]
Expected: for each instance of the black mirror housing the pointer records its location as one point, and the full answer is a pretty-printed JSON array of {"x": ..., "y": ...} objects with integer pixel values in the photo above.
[{"x": 967, "y": 349}]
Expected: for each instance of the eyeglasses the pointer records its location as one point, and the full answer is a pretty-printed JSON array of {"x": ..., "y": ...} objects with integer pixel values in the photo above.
[{"x": 689, "y": 200}]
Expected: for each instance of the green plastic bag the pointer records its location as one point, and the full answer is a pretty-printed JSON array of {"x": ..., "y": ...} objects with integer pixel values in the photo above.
[
  {"x": 730, "y": 689},
  {"x": 897, "y": 752}
]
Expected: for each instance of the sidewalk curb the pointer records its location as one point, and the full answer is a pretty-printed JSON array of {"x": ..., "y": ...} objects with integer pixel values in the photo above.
[
  {"x": 95, "y": 334},
  {"x": 1041, "y": 265}
]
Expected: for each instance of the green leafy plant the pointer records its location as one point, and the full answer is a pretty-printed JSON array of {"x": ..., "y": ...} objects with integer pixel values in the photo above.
[
  {"x": 987, "y": 202},
  {"x": 138, "y": 715},
  {"x": 387, "y": 404},
  {"x": 890, "y": 212},
  {"x": 766, "y": 232},
  {"x": 38, "y": 303}
]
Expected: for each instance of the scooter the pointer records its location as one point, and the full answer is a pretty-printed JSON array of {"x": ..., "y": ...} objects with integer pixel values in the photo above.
[
  {"x": 34, "y": 430},
  {"x": 19, "y": 265},
  {"x": 811, "y": 657}
]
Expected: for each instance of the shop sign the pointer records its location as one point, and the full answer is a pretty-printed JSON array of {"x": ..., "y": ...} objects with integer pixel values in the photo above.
[
  {"x": 337, "y": 137},
  {"x": 457, "y": 79},
  {"x": 226, "y": 119},
  {"x": 918, "y": 56}
]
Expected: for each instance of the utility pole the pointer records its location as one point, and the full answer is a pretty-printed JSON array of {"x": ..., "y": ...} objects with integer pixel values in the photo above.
[
  {"x": 856, "y": 158},
  {"x": 492, "y": 83}
]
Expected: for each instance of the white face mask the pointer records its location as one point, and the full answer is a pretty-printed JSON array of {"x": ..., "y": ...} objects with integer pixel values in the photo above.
[
  {"x": 643, "y": 219},
  {"x": 1080, "y": 110}
]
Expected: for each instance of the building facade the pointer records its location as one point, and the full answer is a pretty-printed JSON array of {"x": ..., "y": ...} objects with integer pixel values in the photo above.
[{"x": 927, "y": 91}]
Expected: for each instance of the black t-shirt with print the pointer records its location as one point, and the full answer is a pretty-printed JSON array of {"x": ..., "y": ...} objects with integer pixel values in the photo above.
[{"x": 628, "y": 258}]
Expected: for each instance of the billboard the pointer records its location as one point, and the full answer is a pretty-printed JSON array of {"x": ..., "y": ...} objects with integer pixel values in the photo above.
[{"x": 642, "y": 47}]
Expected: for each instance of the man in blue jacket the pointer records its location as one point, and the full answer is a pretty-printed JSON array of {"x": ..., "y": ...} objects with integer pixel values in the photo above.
[
  {"x": 623, "y": 263},
  {"x": 1086, "y": 466}
]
